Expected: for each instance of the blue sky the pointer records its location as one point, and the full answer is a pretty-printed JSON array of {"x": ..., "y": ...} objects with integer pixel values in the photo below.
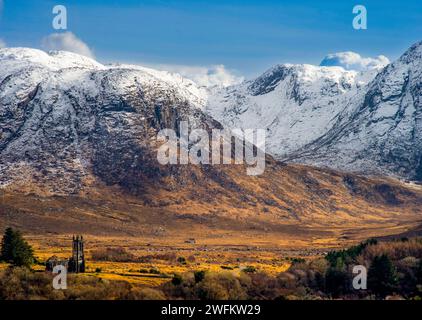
[{"x": 246, "y": 36}]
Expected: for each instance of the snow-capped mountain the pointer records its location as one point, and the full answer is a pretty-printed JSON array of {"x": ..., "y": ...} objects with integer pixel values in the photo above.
[
  {"x": 382, "y": 131},
  {"x": 367, "y": 121},
  {"x": 64, "y": 117},
  {"x": 72, "y": 128},
  {"x": 66, "y": 120},
  {"x": 294, "y": 103}
]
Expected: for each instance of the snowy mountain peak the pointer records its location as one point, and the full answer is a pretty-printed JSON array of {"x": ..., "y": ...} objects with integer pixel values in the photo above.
[
  {"x": 413, "y": 54},
  {"x": 70, "y": 70},
  {"x": 301, "y": 73},
  {"x": 53, "y": 60},
  {"x": 294, "y": 103},
  {"x": 366, "y": 121}
]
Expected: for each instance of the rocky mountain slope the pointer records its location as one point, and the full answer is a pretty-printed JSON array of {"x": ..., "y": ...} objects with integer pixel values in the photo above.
[
  {"x": 367, "y": 121},
  {"x": 64, "y": 117},
  {"x": 294, "y": 103},
  {"x": 382, "y": 132}
]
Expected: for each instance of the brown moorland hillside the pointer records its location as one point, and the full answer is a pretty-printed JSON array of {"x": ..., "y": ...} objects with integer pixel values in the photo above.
[
  {"x": 78, "y": 154},
  {"x": 288, "y": 206}
]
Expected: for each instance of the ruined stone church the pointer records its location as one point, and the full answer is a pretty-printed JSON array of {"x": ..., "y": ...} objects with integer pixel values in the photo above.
[{"x": 76, "y": 263}]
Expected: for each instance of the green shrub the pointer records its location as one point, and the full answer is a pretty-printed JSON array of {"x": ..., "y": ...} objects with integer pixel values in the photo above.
[
  {"x": 249, "y": 269},
  {"x": 146, "y": 294},
  {"x": 221, "y": 286},
  {"x": 226, "y": 267},
  {"x": 20, "y": 283},
  {"x": 199, "y": 276},
  {"x": 297, "y": 260},
  {"x": 177, "y": 280},
  {"x": 154, "y": 271}
]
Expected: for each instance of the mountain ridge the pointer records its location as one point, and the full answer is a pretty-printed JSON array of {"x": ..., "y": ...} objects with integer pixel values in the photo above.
[
  {"x": 306, "y": 111},
  {"x": 78, "y": 146}
]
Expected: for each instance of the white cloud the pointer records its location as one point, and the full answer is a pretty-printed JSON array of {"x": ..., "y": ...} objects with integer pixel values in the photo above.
[
  {"x": 66, "y": 41},
  {"x": 2, "y": 44},
  {"x": 353, "y": 61},
  {"x": 208, "y": 76}
]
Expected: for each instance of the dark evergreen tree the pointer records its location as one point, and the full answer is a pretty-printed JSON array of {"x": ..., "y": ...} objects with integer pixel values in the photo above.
[
  {"x": 15, "y": 250},
  {"x": 382, "y": 276},
  {"x": 336, "y": 279},
  {"x": 6, "y": 245}
]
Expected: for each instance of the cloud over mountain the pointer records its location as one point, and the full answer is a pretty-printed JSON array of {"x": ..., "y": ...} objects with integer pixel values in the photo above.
[
  {"x": 66, "y": 41},
  {"x": 353, "y": 61},
  {"x": 208, "y": 76}
]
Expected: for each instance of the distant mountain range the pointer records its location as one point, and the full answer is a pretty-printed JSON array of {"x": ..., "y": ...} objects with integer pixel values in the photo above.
[
  {"x": 63, "y": 111},
  {"x": 368, "y": 122},
  {"x": 72, "y": 129}
]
